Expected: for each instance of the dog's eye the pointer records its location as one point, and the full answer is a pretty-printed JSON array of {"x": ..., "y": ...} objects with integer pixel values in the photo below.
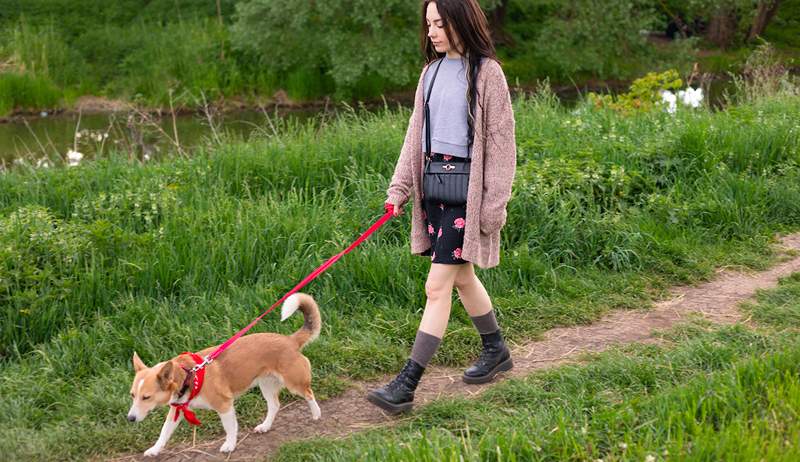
[
  {"x": 145, "y": 398},
  {"x": 132, "y": 396}
]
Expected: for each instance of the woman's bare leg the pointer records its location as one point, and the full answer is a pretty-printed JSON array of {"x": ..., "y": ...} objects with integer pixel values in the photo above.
[
  {"x": 439, "y": 290},
  {"x": 471, "y": 291}
]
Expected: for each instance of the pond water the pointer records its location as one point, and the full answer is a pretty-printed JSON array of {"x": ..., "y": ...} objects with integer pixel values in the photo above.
[{"x": 48, "y": 140}]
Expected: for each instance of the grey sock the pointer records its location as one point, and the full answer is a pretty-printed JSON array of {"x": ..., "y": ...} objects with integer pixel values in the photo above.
[
  {"x": 425, "y": 346},
  {"x": 486, "y": 323}
]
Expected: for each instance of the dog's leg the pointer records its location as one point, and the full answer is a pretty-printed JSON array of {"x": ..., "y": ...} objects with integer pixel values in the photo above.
[
  {"x": 308, "y": 394},
  {"x": 315, "y": 411},
  {"x": 299, "y": 383},
  {"x": 231, "y": 426},
  {"x": 269, "y": 389},
  {"x": 312, "y": 404},
  {"x": 170, "y": 424}
]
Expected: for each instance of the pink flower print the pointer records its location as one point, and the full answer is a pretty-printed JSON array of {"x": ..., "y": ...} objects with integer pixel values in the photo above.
[
  {"x": 441, "y": 206},
  {"x": 430, "y": 228},
  {"x": 447, "y": 158},
  {"x": 440, "y": 233},
  {"x": 457, "y": 253},
  {"x": 459, "y": 223}
]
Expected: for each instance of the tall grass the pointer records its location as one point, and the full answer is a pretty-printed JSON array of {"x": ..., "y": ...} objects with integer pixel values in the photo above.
[
  {"x": 114, "y": 256},
  {"x": 27, "y": 93}
]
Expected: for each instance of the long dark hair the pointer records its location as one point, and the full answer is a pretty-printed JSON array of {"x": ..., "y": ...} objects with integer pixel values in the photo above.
[{"x": 467, "y": 21}]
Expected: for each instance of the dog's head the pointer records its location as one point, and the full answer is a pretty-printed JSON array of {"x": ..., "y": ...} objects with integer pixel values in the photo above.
[{"x": 152, "y": 386}]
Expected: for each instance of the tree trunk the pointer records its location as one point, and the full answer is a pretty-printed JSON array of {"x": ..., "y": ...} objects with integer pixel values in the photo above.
[
  {"x": 766, "y": 11},
  {"x": 222, "y": 45},
  {"x": 722, "y": 28},
  {"x": 497, "y": 22}
]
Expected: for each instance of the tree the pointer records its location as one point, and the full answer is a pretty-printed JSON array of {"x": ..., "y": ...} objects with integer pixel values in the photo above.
[
  {"x": 594, "y": 37},
  {"x": 348, "y": 39},
  {"x": 728, "y": 21},
  {"x": 766, "y": 12}
]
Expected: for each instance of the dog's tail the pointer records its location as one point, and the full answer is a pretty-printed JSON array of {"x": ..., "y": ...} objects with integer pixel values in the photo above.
[{"x": 306, "y": 304}]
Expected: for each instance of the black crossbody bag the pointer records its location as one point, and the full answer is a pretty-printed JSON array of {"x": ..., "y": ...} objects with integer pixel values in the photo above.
[{"x": 442, "y": 181}]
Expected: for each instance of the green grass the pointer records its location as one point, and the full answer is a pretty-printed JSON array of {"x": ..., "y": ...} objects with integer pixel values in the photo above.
[
  {"x": 24, "y": 92},
  {"x": 708, "y": 394},
  {"x": 114, "y": 256},
  {"x": 779, "y": 308}
]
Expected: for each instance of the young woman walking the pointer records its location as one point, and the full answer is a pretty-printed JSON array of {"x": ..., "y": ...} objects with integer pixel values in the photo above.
[{"x": 462, "y": 118}]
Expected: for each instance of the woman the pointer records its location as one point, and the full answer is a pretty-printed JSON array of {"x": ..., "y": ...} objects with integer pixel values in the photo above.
[{"x": 471, "y": 120}]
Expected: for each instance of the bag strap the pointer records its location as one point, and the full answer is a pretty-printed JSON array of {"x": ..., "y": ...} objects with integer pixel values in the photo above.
[{"x": 427, "y": 110}]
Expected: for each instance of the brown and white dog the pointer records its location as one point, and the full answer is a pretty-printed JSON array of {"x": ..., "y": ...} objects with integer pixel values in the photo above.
[{"x": 268, "y": 360}]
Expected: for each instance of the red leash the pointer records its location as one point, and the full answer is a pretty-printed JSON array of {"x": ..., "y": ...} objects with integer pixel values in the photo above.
[{"x": 386, "y": 217}]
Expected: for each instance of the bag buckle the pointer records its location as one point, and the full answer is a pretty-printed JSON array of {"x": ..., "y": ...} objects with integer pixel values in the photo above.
[{"x": 448, "y": 167}]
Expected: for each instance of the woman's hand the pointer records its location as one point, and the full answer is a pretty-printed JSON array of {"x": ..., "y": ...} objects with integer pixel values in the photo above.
[{"x": 395, "y": 208}]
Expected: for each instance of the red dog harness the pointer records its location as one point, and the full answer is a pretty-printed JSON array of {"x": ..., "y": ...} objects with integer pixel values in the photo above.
[{"x": 196, "y": 375}]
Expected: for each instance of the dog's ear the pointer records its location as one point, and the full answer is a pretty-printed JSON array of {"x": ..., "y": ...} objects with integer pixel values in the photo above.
[
  {"x": 167, "y": 377},
  {"x": 138, "y": 365}
]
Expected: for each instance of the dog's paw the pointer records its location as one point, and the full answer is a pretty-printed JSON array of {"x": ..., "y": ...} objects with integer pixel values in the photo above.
[
  {"x": 262, "y": 428},
  {"x": 152, "y": 452},
  {"x": 229, "y": 446},
  {"x": 315, "y": 410}
]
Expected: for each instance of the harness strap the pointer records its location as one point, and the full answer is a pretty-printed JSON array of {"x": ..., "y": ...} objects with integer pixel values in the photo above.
[{"x": 196, "y": 378}]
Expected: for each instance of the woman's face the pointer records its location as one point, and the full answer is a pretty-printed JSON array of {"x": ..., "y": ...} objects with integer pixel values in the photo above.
[{"x": 436, "y": 32}]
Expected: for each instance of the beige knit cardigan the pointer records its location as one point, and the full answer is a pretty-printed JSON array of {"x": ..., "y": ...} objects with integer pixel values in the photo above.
[{"x": 494, "y": 158}]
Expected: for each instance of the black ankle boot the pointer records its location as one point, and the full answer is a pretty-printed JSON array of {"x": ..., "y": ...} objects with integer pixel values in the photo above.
[
  {"x": 398, "y": 395},
  {"x": 494, "y": 358}
]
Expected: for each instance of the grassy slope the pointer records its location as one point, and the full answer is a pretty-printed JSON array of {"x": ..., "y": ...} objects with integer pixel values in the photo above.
[{"x": 112, "y": 257}]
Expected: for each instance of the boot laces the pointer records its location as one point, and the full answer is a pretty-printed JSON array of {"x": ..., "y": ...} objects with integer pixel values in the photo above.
[{"x": 402, "y": 381}]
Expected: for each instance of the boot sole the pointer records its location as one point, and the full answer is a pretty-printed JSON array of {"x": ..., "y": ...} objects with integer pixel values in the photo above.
[
  {"x": 502, "y": 367},
  {"x": 391, "y": 408}
]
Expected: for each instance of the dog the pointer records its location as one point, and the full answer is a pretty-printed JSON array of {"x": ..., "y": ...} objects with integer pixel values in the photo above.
[{"x": 271, "y": 361}]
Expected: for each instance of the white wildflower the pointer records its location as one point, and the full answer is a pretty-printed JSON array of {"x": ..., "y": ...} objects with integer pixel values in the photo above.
[
  {"x": 691, "y": 97},
  {"x": 669, "y": 98},
  {"x": 43, "y": 163},
  {"x": 74, "y": 158},
  {"x": 623, "y": 446},
  {"x": 650, "y": 458}
]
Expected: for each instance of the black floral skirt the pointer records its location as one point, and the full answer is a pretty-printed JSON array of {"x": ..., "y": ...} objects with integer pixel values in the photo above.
[{"x": 445, "y": 224}]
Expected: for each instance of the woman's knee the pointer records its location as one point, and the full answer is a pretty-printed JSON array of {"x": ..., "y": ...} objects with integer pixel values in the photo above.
[
  {"x": 437, "y": 289},
  {"x": 465, "y": 279}
]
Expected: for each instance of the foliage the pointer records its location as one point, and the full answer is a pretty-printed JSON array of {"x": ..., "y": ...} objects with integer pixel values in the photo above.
[
  {"x": 764, "y": 75},
  {"x": 643, "y": 94},
  {"x": 349, "y": 41},
  {"x": 585, "y": 36}
]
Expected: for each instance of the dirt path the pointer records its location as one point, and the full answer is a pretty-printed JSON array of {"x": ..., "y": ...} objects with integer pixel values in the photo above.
[{"x": 716, "y": 301}]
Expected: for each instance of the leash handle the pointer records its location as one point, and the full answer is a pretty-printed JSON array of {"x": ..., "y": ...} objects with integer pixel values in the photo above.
[{"x": 389, "y": 208}]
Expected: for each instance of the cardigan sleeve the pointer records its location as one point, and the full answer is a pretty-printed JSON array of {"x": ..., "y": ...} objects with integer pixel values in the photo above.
[
  {"x": 402, "y": 180},
  {"x": 500, "y": 151}
]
